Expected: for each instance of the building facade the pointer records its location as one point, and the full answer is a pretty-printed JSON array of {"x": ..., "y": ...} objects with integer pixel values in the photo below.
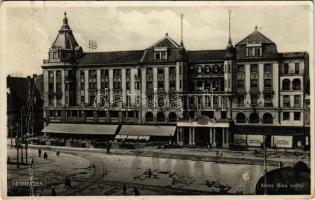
[{"x": 227, "y": 97}]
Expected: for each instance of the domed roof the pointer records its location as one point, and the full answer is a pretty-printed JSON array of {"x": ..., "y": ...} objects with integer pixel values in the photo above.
[{"x": 65, "y": 39}]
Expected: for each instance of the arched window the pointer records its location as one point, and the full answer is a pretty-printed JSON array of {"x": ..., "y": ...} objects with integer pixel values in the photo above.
[
  {"x": 286, "y": 84},
  {"x": 149, "y": 117},
  {"x": 240, "y": 118},
  {"x": 267, "y": 118},
  {"x": 172, "y": 117},
  {"x": 207, "y": 69},
  {"x": 296, "y": 84},
  {"x": 160, "y": 117},
  {"x": 215, "y": 69},
  {"x": 253, "y": 118},
  {"x": 199, "y": 69}
]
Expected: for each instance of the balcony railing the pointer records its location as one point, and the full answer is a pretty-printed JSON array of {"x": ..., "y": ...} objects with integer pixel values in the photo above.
[
  {"x": 254, "y": 90},
  {"x": 149, "y": 78},
  {"x": 268, "y": 104},
  {"x": 268, "y": 75},
  {"x": 172, "y": 77},
  {"x": 286, "y": 105},
  {"x": 268, "y": 90},
  {"x": 241, "y": 90},
  {"x": 160, "y": 77},
  {"x": 240, "y": 75},
  {"x": 253, "y": 75}
]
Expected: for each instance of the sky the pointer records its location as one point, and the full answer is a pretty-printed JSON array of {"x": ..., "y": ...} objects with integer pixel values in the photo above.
[{"x": 29, "y": 31}]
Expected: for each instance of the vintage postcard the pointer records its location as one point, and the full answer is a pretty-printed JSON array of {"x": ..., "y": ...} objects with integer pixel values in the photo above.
[{"x": 157, "y": 100}]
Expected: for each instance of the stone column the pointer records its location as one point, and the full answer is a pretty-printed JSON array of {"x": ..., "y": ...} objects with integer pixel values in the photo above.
[
  {"x": 214, "y": 144},
  {"x": 192, "y": 136},
  {"x": 211, "y": 136},
  {"x": 223, "y": 137}
]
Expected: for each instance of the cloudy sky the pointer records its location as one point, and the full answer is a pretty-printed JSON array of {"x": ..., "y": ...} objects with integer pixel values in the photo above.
[{"x": 31, "y": 30}]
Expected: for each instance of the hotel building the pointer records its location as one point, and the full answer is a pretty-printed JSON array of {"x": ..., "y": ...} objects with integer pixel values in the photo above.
[{"x": 226, "y": 97}]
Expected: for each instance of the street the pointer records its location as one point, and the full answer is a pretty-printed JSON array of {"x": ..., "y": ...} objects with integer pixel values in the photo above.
[{"x": 96, "y": 173}]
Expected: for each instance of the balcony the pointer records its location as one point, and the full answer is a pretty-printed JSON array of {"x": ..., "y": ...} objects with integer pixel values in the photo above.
[
  {"x": 160, "y": 77},
  {"x": 286, "y": 105},
  {"x": 149, "y": 78},
  {"x": 268, "y": 90},
  {"x": 241, "y": 90},
  {"x": 268, "y": 75},
  {"x": 254, "y": 90},
  {"x": 240, "y": 75},
  {"x": 117, "y": 90},
  {"x": 172, "y": 78},
  {"x": 253, "y": 75}
]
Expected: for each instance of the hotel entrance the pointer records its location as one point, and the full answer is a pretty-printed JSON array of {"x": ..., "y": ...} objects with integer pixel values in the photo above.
[{"x": 202, "y": 136}]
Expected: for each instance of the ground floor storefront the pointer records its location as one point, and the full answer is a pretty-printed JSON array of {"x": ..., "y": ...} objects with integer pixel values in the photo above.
[{"x": 207, "y": 134}]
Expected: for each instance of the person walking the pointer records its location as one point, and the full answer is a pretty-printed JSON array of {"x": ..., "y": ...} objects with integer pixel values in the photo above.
[
  {"x": 39, "y": 152},
  {"x": 58, "y": 152},
  {"x": 45, "y": 156},
  {"x": 53, "y": 191},
  {"x": 32, "y": 163},
  {"x": 124, "y": 189},
  {"x": 137, "y": 193}
]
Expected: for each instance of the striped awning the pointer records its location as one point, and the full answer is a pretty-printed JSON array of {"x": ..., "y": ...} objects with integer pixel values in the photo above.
[
  {"x": 83, "y": 129},
  {"x": 147, "y": 130}
]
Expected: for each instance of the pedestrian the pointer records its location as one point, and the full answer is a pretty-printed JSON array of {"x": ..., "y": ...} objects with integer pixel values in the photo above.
[
  {"x": 53, "y": 191},
  {"x": 208, "y": 147},
  {"x": 217, "y": 153},
  {"x": 137, "y": 193},
  {"x": 32, "y": 163},
  {"x": 45, "y": 156},
  {"x": 221, "y": 154},
  {"x": 39, "y": 152},
  {"x": 58, "y": 152},
  {"x": 149, "y": 173},
  {"x": 108, "y": 147},
  {"x": 124, "y": 189},
  {"x": 68, "y": 182}
]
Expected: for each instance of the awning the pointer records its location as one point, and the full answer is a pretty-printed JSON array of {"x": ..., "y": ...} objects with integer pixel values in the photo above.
[
  {"x": 120, "y": 137},
  {"x": 84, "y": 129},
  {"x": 147, "y": 130},
  {"x": 147, "y": 138}
]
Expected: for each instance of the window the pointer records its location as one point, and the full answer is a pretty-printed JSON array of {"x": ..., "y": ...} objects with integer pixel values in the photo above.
[
  {"x": 116, "y": 73},
  {"x": 286, "y": 101},
  {"x": 172, "y": 117},
  {"x": 82, "y": 99},
  {"x": 157, "y": 55},
  {"x": 55, "y": 55},
  {"x": 240, "y": 83},
  {"x": 285, "y": 116},
  {"x": 101, "y": 114},
  {"x": 296, "y": 84},
  {"x": 160, "y": 117},
  {"x": 223, "y": 114},
  {"x": 267, "y": 83},
  {"x": 199, "y": 69},
  {"x": 89, "y": 113},
  {"x": 254, "y": 68},
  {"x": 267, "y": 118},
  {"x": 253, "y": 118},
  {"x": 240, "y": 118},
  {"x": 51, "y": 87},
  {"x": 297, "y": 116},
  {"x": 148, "y": 117},
  {"x": 268, "y": 102},
  {"x": 207, "y": 69},
  {"x": 253, "y": 100},
  {"x": 267, "y": 68},
  {"x": 253, "y": 83},
  {"x": 149, "y": 71},
  {"x": 286, "y": 68},
  {"x": 286, "y": 84},
  {"x": 297, "y": 68},
  {"x": 160, "y": 71},
  {"x": 240, "y": 100},
  {"x": 240, "y": 69},
  {"x": 50, "y": 74},
  {"x": 297, "y": 101}
]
